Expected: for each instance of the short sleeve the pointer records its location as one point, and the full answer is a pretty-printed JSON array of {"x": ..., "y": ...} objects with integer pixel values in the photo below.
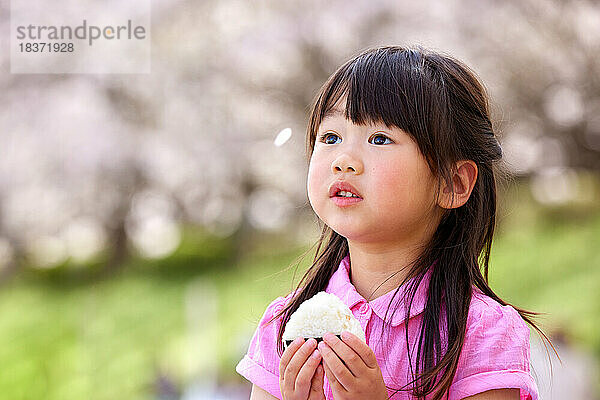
[
  {"x": 495, "y": 354},
  {"x": 260, "y": 365}
]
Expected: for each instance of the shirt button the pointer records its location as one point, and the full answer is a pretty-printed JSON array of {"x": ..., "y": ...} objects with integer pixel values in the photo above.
[{"x": 364, "y": 309}]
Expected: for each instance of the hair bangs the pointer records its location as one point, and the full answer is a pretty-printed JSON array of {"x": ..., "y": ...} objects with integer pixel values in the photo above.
[{"x": 385, "y": 86}]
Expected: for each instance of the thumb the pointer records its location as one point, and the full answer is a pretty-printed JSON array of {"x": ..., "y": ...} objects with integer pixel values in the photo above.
[{"x": 316, "y": 385}]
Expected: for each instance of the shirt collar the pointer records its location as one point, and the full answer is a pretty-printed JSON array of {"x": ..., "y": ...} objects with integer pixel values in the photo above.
[{"x": 340, "y": 285}]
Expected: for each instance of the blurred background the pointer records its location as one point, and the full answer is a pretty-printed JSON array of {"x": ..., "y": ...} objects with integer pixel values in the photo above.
[{"x": 147, "y": 220}]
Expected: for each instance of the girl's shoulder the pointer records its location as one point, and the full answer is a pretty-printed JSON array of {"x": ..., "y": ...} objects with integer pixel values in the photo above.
[
  {"x": 485, "y": 312},
  {"x": 495, "y": 353}
]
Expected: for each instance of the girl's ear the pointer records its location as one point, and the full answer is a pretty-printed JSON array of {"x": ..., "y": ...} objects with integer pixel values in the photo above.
[{"x": 463, "y": 180}]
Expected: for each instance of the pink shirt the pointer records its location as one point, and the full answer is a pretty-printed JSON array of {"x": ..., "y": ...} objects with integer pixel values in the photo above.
[{"x": 495, "y": 354}]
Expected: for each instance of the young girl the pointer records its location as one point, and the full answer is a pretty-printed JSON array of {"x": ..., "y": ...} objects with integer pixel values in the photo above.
[{"x": 406, "y": 133}]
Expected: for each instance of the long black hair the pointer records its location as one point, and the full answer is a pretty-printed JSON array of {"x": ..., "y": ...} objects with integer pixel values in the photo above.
[{"x": 441, "y": 104}]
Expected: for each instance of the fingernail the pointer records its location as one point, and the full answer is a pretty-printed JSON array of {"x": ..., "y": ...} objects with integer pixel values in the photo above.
[
  {"x": 312, "y": 342},
  {"x": 316, "y": 355},
  {"x": 345, "y": 335},
  {"x": 328, "y": 336},
  {"x": 298, "y": 340}
]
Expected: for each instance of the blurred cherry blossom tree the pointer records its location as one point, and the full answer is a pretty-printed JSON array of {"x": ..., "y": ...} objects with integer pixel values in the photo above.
[{"x": 95, "y": 163}]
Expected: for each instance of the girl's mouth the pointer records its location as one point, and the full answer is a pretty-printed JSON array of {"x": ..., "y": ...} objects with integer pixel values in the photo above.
[{"x": 341, "y": 201}]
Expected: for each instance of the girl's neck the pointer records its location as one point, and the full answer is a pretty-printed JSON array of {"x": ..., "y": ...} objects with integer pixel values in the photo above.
[{"x": 375, "y": 271}]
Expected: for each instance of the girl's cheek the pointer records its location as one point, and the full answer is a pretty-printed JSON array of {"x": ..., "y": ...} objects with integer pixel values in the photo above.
[
  {"x": 312, "y": 181},
  {"x": 317, "y": 168}
]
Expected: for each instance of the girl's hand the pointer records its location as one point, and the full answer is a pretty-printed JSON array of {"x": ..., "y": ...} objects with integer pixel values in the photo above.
[
  {"x": 300, "y": 375},
  {"x": 351, "y": 368}
]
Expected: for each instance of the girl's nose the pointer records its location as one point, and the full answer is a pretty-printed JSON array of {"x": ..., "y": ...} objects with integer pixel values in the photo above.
[{"x": 346, "y": 163}]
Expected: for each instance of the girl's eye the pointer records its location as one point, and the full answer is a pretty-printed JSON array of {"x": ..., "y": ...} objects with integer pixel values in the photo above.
[
  {"x": 377, "y": 139},
  {"x": 324, "y": 138}
]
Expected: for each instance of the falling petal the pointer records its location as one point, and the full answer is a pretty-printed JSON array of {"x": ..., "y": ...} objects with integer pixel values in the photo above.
[{"x": 283, "y": 136}]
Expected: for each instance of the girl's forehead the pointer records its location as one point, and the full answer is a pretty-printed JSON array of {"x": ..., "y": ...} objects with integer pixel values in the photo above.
[
  {"x": 334, "y": 112},
  {"x": 336, "y": 107}
]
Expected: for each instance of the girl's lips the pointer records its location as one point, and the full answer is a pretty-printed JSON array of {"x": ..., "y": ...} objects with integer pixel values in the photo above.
[
  {"x": 342, "y": 185},
  {"x": 345, "y": 201}
]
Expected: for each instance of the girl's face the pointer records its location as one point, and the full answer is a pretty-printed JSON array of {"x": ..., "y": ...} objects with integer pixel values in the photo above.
[{"x": 396, "y": 188}]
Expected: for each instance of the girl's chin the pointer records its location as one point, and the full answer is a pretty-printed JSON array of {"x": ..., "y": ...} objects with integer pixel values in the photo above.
[{"x": 349, "y": 233}]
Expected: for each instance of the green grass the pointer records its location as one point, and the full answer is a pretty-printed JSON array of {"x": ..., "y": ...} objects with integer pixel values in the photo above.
[
  {"x": 99, "y": 341},
  {"x": 71, "y": 337},
  {"x": 556, "y": 271},
  {"x": 107, "y": 339}
]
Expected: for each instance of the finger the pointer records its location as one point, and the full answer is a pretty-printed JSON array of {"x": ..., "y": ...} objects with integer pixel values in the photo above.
[
  {"x": 286, "y": 357},
  {"x": 288, "y": 354},
  {"x": 297, "y": 361},
  {"x": 361, "y": 348},
  {"x": 353, "y": 361},
  {"x": 336, "y": 366},
  {"x": 304, "y": 378},
  {"x": 336, "y": 386},
  {"x": 316, "y": 384}
]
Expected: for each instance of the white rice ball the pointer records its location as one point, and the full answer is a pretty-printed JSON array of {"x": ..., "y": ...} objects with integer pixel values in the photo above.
[{"x": 322, "y": 313}]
